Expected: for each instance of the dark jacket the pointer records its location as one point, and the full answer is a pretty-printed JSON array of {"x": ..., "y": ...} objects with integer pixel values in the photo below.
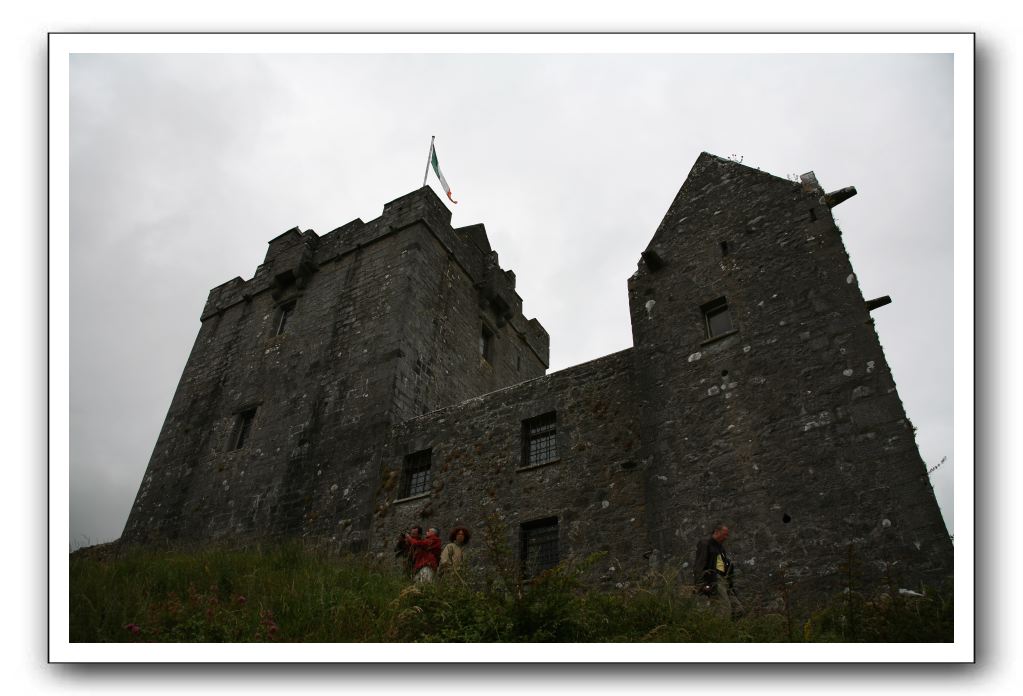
[
  {"x": 705, "y": 570},
  {"x": 404, "y": 552}
]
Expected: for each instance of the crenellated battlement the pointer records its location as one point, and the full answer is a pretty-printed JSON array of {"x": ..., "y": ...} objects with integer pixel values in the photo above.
[{"x": 294, "y": 256}]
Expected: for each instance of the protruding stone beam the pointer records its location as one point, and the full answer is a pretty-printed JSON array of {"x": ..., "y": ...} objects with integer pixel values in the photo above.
[
  {"x": 835, "y": 197},
  {"x": 878, "y": 302}
]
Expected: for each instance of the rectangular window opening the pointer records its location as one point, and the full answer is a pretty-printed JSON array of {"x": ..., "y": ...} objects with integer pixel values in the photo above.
[
  {"x": 539, "y": 546},
  {"x": 283, "y": 314},
  {"x": 717, "y": 318},
  {"x": 415, "y": 478},
  {"x": 724, "y": 248},
  {"x": 243, "y": 428},
  {"x": 813, "y": 214},
  {"x": 540, "y": 440},
  {"x": 486, "y": 343}
]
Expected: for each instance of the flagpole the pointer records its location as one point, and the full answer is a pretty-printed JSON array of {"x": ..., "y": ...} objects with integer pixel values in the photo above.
[{"x": 428, "y": 158}]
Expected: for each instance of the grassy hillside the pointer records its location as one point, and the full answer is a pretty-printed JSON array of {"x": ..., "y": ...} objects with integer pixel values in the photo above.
[{"x": 295, "y": 594}]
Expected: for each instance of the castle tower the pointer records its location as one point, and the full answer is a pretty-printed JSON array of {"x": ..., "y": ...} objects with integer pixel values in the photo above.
[
  {"x": 767, "y": 399},
  {"x": 297, "y": 374}
]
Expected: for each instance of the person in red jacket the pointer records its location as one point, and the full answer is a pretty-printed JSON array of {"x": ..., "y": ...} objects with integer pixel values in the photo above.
[{"x": 426, "y": 555}]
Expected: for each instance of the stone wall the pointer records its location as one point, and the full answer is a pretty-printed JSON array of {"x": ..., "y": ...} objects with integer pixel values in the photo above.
[{"x": 595, "y": 488}]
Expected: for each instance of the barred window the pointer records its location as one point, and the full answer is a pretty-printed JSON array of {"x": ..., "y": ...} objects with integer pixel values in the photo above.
[
  {"x": 283, "y": 314},
  {"x": 242, "y": 428},
  {"x": 416, "y": 474},
  {"x": 540, "y": 440},
  {"x": 539, "y": 549},
  {"x": 717, "y": 319}
]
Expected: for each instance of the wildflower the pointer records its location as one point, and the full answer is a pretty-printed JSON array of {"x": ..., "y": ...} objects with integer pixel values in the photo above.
[
  {"x": 134, "y": 628},
  {"x": 241, "y": 599}
]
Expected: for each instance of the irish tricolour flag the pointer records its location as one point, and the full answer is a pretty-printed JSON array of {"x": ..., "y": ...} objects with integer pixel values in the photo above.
[{"x": 436, "y": 169}]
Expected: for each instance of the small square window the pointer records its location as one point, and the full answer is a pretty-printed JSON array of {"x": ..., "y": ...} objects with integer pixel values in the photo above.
[
  {"x": 415, "y": 478},
  {"x": 284, "y": 313},
  {"x": 539, "y": 546},
  {"x": 242, "y": 428},
  {"x": 486, "y": 343},
  {"x": 717, "y": 319},
  {"x": 540, "y": 440}
]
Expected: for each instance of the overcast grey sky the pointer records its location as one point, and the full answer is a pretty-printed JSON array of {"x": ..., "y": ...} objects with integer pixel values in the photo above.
[{"x": 184, "y": 166}]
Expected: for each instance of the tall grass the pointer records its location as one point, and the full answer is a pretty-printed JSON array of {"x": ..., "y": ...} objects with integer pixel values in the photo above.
[
  {"x": 295, "y": 593},
  {"x": 281, "y": 593}
]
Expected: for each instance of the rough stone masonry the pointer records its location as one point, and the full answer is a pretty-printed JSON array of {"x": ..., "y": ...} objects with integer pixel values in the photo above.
[{"x": 384, "y": 374}]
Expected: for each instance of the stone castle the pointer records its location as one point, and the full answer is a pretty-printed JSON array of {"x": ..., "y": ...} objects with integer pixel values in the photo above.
[{"x": 384, "y": 374}]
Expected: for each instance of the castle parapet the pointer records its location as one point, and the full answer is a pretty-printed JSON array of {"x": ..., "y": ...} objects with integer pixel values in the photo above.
[
  {"x": 291, "y": 259},
  {"x": 421, "y": 204},
  {"x": 222, "y": 296},
  {"x": 294, "y": 256}
]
